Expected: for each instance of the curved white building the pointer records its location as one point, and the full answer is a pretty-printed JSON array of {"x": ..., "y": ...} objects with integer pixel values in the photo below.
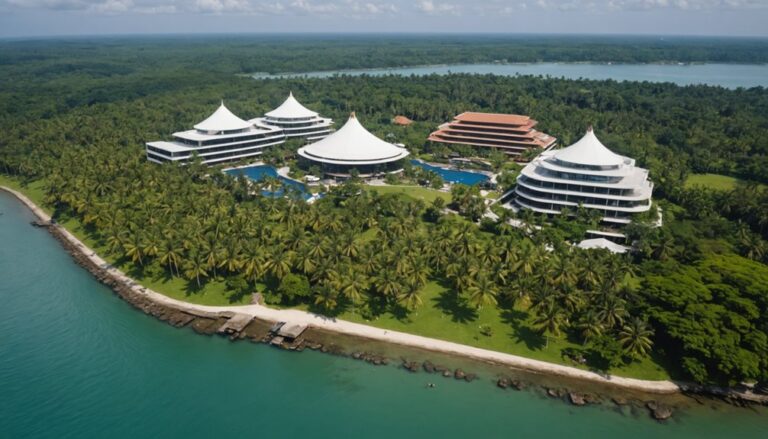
[
  {"x": 297, "y": 121},
  {"x": 219, "y": 138},
  {"x": 588, "y": 174},
  {"x": 354, "y": 147}
]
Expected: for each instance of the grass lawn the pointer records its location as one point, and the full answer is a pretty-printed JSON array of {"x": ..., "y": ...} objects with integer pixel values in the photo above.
[
  {"x": 441, "y": 316},
  {"x": 712, "y": 181},
  {"x": 418, "y": 192},
  {"x": 444, "y": 317}
]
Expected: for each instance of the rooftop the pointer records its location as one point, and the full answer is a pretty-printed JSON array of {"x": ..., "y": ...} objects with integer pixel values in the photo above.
[
  {"x": 506, "y": 119},
  {"x": 291, "y": 109},
  {"x": 589, "y": 151},
  {"x": 222, "y": 120}
]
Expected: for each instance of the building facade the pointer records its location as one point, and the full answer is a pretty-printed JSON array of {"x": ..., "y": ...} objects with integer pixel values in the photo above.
[
  {"x": 584, "y": 174},
  {"x": 297, "y": 121},
  {"x": 511, "y": 134},
  {"x": 220, "y": 138},
  {"x": 353, "y": 147}
]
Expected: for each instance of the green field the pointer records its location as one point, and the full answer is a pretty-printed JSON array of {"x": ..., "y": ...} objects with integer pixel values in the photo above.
[
  {"x": 417, "y": 192},
  {"x": 712, "y": 181},
  {"x": 442, "y": 315}
]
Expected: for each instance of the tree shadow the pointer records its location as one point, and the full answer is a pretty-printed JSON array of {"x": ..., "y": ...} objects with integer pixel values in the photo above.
[
  {"x": 532, "y": 339},
  {"x": 450, "y": 303}
]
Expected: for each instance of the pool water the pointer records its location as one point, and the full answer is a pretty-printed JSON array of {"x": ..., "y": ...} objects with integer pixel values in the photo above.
[
  {"x": 260, "y": 172},
  {"x": 453, "y": 176}
]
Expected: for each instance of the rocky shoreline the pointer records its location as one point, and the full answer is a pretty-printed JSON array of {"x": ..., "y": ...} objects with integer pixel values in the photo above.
[{"x": 259, "y": 331}]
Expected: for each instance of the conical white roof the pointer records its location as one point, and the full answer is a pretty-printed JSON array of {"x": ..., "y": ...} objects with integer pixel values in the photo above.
[
  {"x": 353, "y": 143},
  {"x": 291, "y": 109},
  {"x": 222, "y": 120},
  {"x": 589, "y": 151}
]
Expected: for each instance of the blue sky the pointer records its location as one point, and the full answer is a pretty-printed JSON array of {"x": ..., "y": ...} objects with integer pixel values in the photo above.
[{"x": 680, "y": 17}]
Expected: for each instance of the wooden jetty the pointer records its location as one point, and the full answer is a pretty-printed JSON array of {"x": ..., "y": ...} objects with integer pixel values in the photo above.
[
  {"x": 291, "y": 331},
  {"x": 235, "y": 324}
]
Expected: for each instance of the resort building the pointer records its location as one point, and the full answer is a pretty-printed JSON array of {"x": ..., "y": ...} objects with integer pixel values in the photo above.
[
  {"x": 297, "y": 121},
  {"x": 354, "y": 147},
  {"x": 219, "y": 138},
  {"x": 509, "y": 133},
  {"x": 587, "y": 174}
]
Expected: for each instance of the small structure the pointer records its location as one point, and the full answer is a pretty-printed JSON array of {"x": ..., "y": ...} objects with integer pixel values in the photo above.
[
  {"x": 401, "y": 120},
  {"x": 353, "y": 147},
  {"x": 602, "y": 243},
  {"x": 584, "y": 174},
  {"x": 235, "y": 324},
  {"x": 219, "y": 138},
  {"x": 291, "y": 331},
  {"x": 511, "y": 134},
  {"x": 297, "y": 120}
]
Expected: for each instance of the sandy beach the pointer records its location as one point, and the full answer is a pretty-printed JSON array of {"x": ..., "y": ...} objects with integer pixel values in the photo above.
[{"x": 356, "y": 329}]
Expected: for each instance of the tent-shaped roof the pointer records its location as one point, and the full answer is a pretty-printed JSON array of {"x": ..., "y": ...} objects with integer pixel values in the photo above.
[
  {"x": 353, "y": 143},
  {"x": 603, "y": 244},
  {"x": 291, "y": 109},
  {"x": 222, "y": 120},
  {"x": 589, "y": 151}
]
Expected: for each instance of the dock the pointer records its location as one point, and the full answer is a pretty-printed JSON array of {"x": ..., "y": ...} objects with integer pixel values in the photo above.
[{"x": 235, "y": 324}]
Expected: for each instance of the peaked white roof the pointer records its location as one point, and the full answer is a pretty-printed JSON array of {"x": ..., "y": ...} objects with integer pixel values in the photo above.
[
  {"x": 353, "y": 143},
  {"x": 222, "y": 120},
  {"x": 602, "y": 243},
  {"x": 589, "y": 151},
  {"x": 291, "y": 109}
]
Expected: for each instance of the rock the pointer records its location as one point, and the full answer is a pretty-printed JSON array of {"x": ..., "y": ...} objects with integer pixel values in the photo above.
[
  {"x": 428, "y": 367},
  {"x": 470, "y": 377},
  {"x": 553, "y": 393},
  {"x": 659, "y": 412},
  {"x": 576, "y": 399},
  {"x": 502, "y": 383},
  {"x": 447, "y": 373},
  {"x": 518, "y": 385},
  {"x": 411, "y": 366},
  {"x": 357, "y": 355},
  {"x": 459, "y": 374},
  {"x": 618, "y": 400}
]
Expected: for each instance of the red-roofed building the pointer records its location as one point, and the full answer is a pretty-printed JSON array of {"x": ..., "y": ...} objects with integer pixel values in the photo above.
[{"x": 512, "y": 134}]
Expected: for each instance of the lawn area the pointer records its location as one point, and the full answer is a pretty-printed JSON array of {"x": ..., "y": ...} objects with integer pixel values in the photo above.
[
  {"x": 712, "y": 181},
  {"x": 418, "y": 192},
  {"x": 442, "y": 316}
]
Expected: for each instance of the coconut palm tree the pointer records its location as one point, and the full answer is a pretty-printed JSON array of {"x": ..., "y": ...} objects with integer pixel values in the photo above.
[
  {"x": 550, "y": 321},
  {"x": 196, "y": 267},
  {"x": 483, "y": 292},
  {"x": 635, "y": 337}
]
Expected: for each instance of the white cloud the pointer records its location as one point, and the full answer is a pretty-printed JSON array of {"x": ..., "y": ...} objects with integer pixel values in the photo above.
[{"x": 435, "y": 8}]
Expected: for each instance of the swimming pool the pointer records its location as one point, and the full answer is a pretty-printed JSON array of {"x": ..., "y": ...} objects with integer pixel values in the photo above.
[
  {"x": 452, "y": 175},
  {"x": 260, "y": 172}
]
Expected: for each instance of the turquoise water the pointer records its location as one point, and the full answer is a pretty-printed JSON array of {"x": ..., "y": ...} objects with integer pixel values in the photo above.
[
  {"x": 77, "y": 362},
  {"x": 452, "y": 175},
  {"x": 259, "y": 172},
  {"x": 725, "y": 75}
]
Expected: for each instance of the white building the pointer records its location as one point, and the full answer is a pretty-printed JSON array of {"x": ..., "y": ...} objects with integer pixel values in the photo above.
[
  {"x": 297, "y": 121},
  {"x": 354, "y": 147},
  {"x": 219, "y": 138},
  {"x": 588, "y": 174}
]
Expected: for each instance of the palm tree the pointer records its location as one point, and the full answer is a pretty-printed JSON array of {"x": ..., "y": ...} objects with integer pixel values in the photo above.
[
  {"x": 196, "y": 267},
  {"x": 134, "y": 248},
  {"x": 170, "y": 255},
  {"x": 612, "y": 312},
  {"x": 279, "y": 262},
  {"x": 483, "y": 292},
  {"x": 591, "y": 326},
  {"x": 635, "y": 337},
  {"x": 550, "y": 321},
  {"x": 410, "y": 298},
  {"x": 326, "y": 297}
]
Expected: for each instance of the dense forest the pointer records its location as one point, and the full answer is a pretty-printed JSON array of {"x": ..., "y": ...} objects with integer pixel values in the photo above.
[{"x": 695, "y": 297}]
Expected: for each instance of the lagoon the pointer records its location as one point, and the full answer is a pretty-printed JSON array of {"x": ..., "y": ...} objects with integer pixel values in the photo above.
[
  {"x": 76, "y": 361},
  {"x": 724, "y": 75}
]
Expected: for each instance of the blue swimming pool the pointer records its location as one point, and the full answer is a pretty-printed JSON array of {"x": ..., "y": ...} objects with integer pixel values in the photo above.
[
  {"x": 452, "y": 175},
  {"x": 259, "y": 172}
]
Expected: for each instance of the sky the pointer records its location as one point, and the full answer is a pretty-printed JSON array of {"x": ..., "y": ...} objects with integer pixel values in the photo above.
[{"x": 22, "y": 18}]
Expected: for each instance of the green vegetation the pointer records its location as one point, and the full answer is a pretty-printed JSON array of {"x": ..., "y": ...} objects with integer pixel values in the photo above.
[
  {"x": 415, "y": 192},
  {"x": 694, "y": 296},
  {"x": 711, "y": 181}
]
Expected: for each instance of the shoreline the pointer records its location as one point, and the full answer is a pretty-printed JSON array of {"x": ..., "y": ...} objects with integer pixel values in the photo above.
[{"x": 168, "y": 309}]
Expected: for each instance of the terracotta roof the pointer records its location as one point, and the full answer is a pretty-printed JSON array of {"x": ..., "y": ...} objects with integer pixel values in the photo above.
[
  {"x": 507, "y": 119},
  {"x": 401, "y": 120}
]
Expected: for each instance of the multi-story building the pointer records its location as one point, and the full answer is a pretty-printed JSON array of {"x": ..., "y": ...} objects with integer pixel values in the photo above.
[
  {"x": 584, "y": 174},
  {"x": 219, "y": 138},
  {"x": 512, "y": 134},
  {"x": 297, "y": 121}
]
